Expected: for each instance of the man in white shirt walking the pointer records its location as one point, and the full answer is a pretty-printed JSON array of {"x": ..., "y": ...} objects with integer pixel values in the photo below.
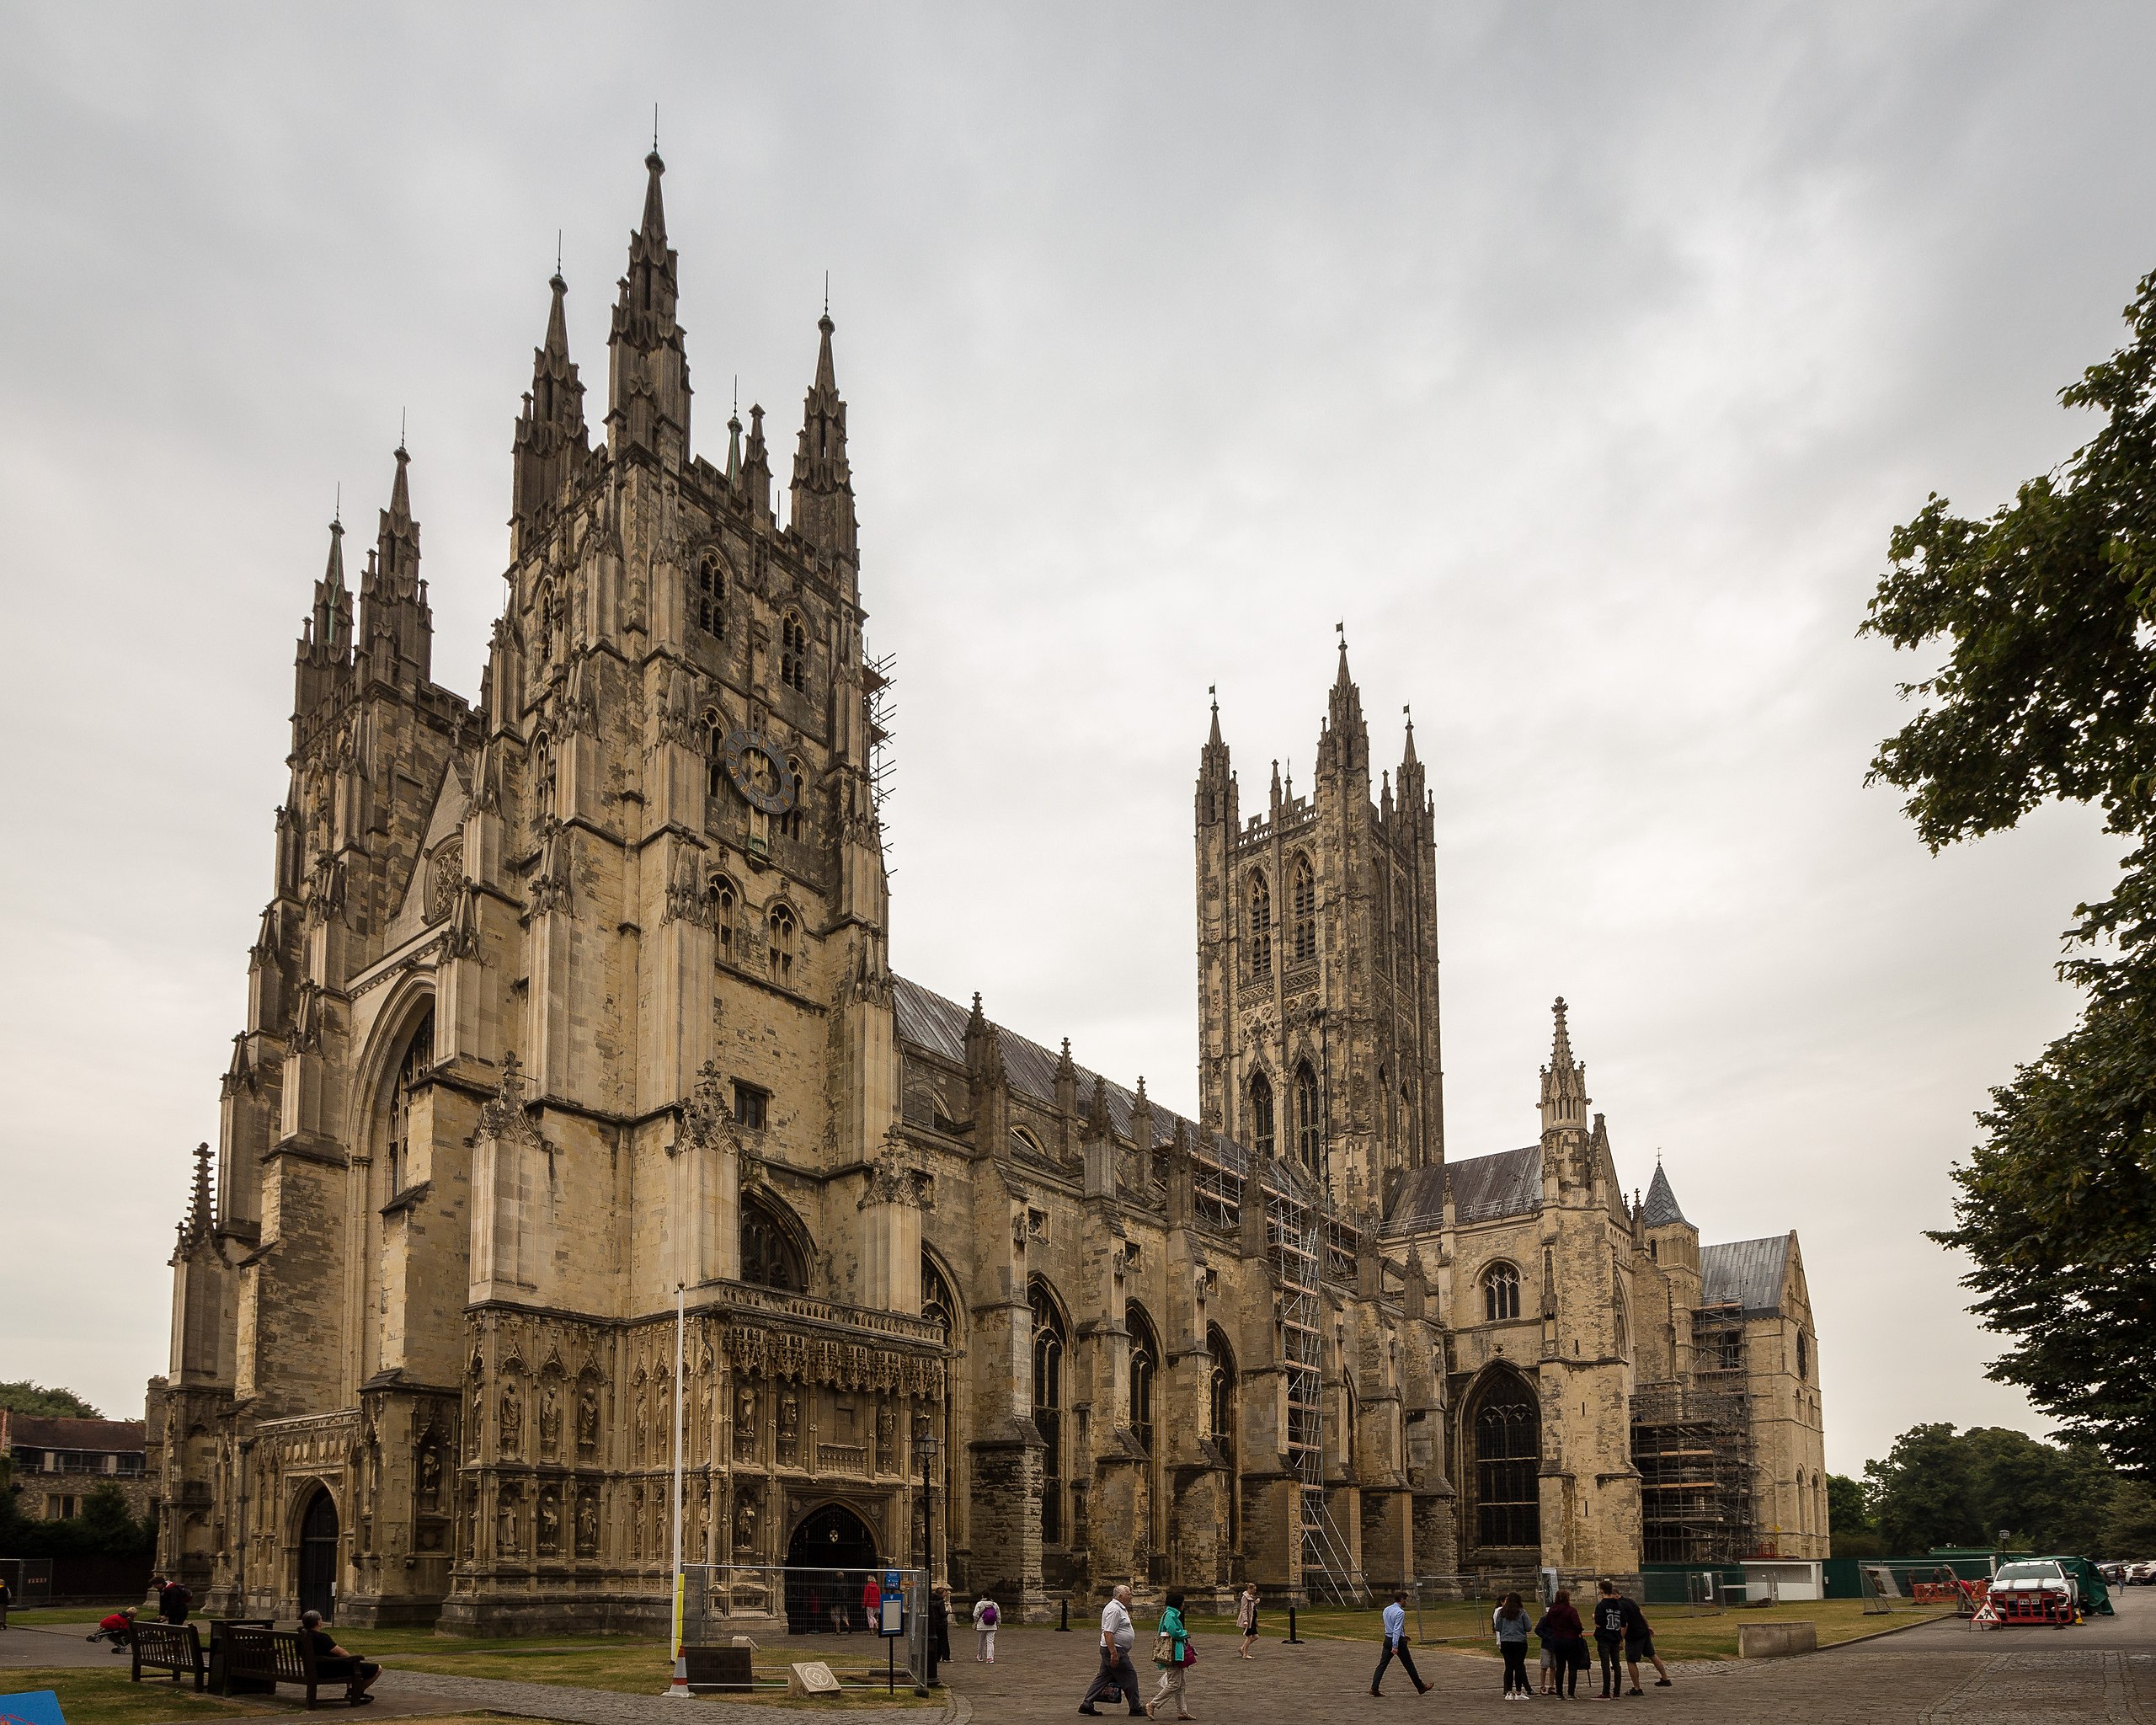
[
  {"x": 1117, "y": 1674},
  {"x": 1395, "y": 1646}
]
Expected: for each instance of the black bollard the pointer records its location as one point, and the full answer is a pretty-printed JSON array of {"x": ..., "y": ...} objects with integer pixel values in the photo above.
[
  {"x": 1294, "y": 1639},
  {"x": 1064, "y": 1628}
]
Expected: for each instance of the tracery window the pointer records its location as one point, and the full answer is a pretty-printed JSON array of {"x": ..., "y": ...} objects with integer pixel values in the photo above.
[
  {"x": 1803, "y": 1357},
  {"x": 1220, "y": 1389},
  {"x": 1302, "y": 905},
  {"x": 418, "y": 1055},
  {"x": 1309, "y": 1131},
  {"x": 708, "y": 602},
  {"x": 1050, "y": 1342},
  {"x": 1145, "y": 1369},
  {"x": 792, "y": 652},
  {"x": 1500, "y": 1293},
  {"x": 769, "y": 1256},
  {"x": 1260, "y": 1113},
  {"x": 779, "y": 943},
  {"x": 1260, "y": 924},
  {"x": 1508, "y": 1439},
  {"x": 724, "y": 899}
]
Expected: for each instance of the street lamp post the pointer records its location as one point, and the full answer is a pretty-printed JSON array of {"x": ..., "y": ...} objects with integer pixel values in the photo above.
[{"x": 924, "y": 1446}]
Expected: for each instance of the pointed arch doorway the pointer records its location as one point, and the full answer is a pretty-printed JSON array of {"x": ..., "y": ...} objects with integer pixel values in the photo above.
[
  {"x": 828, "y": 1564},
  {"x": 318, "y": 1555}
]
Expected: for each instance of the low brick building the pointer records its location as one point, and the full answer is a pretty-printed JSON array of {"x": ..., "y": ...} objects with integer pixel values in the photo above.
[{"x": 60, "y": 1462}]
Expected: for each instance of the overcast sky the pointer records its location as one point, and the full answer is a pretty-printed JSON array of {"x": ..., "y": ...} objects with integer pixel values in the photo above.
[{"x": 1578, "y": 358}]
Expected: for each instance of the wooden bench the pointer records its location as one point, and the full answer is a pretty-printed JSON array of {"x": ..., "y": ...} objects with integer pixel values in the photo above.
[
  {"x": 281, "y": 1656},
  {"x": 165, "y": 1646}
]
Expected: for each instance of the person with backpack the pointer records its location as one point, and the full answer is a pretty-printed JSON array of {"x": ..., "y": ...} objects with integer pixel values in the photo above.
[
  {"x": 986, "y": 1616},
  {"x": 1609, "y": 1638},
  {"x": 173, "y": 1600},
  {"x": 1173, "y": 1653},
  {"x": 1564, "y": 1646},
  {"x": 1509, "y": 1621}
]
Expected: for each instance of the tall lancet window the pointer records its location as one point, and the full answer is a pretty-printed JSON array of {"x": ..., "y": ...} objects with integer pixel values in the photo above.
[
  {"x": 779, "y": 944},
  {"x": 1260, "y": 924},
  {"x": 792, "y": 652},
  {"x": 1310, "y": 1121},
  {"x": 1260, "y": 1113},
  {"x": 1303, "y": 907},
  {"x": 418, "y": 1055}
]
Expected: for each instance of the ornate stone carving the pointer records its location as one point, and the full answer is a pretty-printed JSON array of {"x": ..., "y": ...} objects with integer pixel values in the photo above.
[{"x": 445, "y": 879}]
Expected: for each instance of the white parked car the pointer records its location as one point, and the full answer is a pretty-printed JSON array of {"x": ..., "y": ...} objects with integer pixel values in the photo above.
[{"x": 2036, "y": 1573}]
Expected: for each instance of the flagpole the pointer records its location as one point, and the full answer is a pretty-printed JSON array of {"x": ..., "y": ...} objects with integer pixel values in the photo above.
[{"x": 680, "y": 1684}]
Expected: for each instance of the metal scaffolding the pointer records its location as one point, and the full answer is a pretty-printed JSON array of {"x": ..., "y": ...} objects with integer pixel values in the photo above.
[
  {"x": 1293, "y": 1232},
  {"x": 1692, "y": 1444}
]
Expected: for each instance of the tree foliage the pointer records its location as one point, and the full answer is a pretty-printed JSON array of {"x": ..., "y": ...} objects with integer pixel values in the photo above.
[
  {"x": 2046, "y": 612},
  {"x": 1937, "y": 1487},
  {"x": 23, "y": 1396},
  {"x": 1849, "y": 1513}
]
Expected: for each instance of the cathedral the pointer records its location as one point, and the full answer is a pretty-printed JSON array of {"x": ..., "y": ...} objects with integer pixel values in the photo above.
[{"x": 574, "y": 1000}]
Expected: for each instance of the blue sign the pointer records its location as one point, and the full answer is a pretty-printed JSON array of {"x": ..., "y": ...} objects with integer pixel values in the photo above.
[
  {"x": 893, "y": 1616},
  {"x": 36, "y": 1706},
  {"x": 891, "y": 1583}
]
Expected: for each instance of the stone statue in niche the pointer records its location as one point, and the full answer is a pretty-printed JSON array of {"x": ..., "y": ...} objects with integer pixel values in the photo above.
[
  {"x": 550, "y": 1523},
  {"x": 744, "y": 1423},
  {"x": 587, "y": 1420},
  {"x": 512, "y": 1420},
  {"x": 643, "y": 1429},
  {"x": 635, "y": 1522},
  {"x": 477, "y": 1422},
  {"x": 704, "y": 1551},
  {"x": 703, "y": 1407},
  {"x": 744, "y": 1523},
  {"x": 886, "y": 1437},
  {"x": 550, "y": 1422},
  {"x": 472, "y": 1529},
  {"x": 505, "y": 1526},
  {"x": 430, "y": 1475},
  {"x": 789, "y": 1424},
  {"x": 587, "y": 1524}
]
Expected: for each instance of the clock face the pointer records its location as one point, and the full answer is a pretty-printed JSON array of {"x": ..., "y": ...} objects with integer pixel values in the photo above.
[{"x": 759, "y": 773}]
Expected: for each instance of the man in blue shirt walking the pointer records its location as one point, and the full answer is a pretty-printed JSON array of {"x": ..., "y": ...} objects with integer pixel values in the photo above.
[{"x": 1395, "y": 1647}]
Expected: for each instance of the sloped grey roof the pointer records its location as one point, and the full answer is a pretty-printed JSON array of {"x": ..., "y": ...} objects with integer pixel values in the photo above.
[
  {"x": 1661, "y": 1207},
  {"x": 937, "y": 1026},
  {"x": 1483, "y": 1187},
  {"x": 1748, "y": 1273}
]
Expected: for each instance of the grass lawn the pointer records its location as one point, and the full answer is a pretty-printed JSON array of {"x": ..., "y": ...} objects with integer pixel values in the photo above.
[
  {"x": 87, "y": 1615},
  {"x": 1463, "y": 1626},
  {"x": 94, "y": 1697},
  {"x": 625, "y": 1666}
]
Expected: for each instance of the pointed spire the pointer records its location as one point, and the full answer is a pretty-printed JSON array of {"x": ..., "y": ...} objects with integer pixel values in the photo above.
[
  {"x": 1408, "y": 758},
  {"x": 550, "y": 438},
  {"x": 733, "y": 442},
  {"x": 822, "y": 497},
  {"x": 1564, "y": 1080},
  {"x": 1661, "y": 1209},
  {"x": 1214, "y": 741},
  {"x": 1345, "y": 744},
  {"x": 396, "y": 636},
  {"x": 648, "y": 371},
  {"x": 201, "y": 1207},
  {"x": 1342, "y": 680}
]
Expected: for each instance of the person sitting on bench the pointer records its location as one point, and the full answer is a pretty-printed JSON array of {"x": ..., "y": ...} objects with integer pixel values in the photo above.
[{"x": 331, "y": 1660}]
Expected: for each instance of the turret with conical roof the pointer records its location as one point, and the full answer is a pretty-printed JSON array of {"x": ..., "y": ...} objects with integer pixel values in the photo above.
[
  {"x": 1564, "y": 1081},
  {"x": 550, "y": 438},
  {"x": 822, "y": 500},
  {"x": 648, "y": 367}
]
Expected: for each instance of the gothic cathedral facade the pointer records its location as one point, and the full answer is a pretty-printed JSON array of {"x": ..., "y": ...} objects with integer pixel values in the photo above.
[{"x": 574, "y": 1000}]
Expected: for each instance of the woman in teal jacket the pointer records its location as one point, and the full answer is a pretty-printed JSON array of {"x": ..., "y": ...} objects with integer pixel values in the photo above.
[{"x": 1172, "y": 1652}]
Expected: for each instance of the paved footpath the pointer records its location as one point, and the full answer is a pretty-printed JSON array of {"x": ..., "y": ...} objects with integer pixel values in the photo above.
[{"x": 1938, "y": 1674}]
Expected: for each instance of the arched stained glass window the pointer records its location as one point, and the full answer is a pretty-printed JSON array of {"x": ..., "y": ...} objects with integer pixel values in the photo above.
[
  {"x": 1309, "y": 1127},
  {"x": 1303, "y": 910},
  {"x": 1050, "y": 1343},
  {"x": 1506, "y": 1429},
  {"x": 779, "y": 943},
  {"x": 769, "y": 1256},
  {"x": 1145, "y": 1369},
  {"x": 1500, "y": 1293},
  {"x": 418, "y": 1055}
]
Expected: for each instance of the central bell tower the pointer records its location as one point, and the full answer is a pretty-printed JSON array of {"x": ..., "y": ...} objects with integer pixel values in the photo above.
[{"x": 1317, "y": 963}]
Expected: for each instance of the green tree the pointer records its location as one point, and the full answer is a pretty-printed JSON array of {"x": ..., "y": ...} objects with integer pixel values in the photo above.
[
  {"x": 1848, "y": 1514},
  {"x": 2046, "y": 612},
  {"x": 1922, "y": 1495},
  {"x": 1938, "y": 1487},
  {"x": 108, "y": 1525},
  {"x": 23, "y": 1396}
]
